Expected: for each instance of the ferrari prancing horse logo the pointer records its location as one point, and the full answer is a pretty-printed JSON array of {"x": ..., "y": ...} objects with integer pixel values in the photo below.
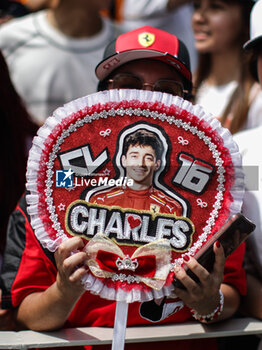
[
  {"x": 146, "y": 39},
  {"x": 154, "y": 208}
]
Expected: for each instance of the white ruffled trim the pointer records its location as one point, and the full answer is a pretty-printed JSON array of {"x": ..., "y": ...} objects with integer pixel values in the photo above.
[
  {"x": 91, "y": 283},
  {"x": 96, "y": 286}
]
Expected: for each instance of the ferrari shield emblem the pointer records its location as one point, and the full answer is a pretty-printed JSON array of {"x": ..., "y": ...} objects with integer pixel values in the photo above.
[
  {"x": 146, "y": 39},
  {"x": 154, "y": 208}
]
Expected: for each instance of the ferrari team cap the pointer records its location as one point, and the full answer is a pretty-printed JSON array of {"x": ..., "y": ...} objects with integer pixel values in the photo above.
[
  {"x": 255, "y": 26},
  {"x": 145, "y": 42}
]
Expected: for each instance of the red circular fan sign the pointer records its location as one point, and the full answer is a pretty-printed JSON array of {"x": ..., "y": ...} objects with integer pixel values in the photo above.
[{"x": 142, "y": 177}]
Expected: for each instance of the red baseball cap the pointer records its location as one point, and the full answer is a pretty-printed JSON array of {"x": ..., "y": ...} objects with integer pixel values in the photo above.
[{"x": 145, "y": 42}]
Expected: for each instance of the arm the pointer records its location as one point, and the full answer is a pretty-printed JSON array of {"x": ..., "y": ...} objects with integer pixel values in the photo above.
[
  {"x": 251, "y": 304},
  {"x": 204, "y": 297},
  {"x": 50, "y": 309}
]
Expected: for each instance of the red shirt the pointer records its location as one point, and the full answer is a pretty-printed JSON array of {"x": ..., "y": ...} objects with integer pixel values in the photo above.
[
  {"x": 150, "y": 199},
  {"x": 36, "y": 272}
]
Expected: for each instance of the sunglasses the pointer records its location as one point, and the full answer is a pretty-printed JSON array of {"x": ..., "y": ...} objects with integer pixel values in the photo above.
[{"x": 130, "y": 81}]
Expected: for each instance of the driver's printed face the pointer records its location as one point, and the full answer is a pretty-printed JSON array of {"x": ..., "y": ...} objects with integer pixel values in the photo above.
[{"x": 140, "y": 163}]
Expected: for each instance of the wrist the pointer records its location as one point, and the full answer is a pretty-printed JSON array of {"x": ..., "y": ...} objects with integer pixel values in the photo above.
[
  {"x": 68, "y": 291},
  {"x": 212, "y": 315}
]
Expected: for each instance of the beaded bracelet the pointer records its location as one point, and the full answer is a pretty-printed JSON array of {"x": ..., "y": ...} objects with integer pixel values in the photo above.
[{"x": 213, "y": 315}]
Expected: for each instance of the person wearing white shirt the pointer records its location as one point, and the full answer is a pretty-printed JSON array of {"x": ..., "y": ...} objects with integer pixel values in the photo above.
[
  {"x": 249, "y": 144},
  {"x": 52, "y": 54}
]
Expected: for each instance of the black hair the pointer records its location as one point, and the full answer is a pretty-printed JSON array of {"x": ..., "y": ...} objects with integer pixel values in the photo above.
[{"x": 144, "y": 137}]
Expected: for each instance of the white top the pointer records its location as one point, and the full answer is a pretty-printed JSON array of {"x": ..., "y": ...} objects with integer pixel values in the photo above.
[
  {"x": 249, "y": 142},
  {"x": 214, "y": 99},
  {"x": 47, "y": 67}
]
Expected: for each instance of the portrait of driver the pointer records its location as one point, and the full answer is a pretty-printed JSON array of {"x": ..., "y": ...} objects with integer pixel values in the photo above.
[{"x": 141, "y": 158}]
